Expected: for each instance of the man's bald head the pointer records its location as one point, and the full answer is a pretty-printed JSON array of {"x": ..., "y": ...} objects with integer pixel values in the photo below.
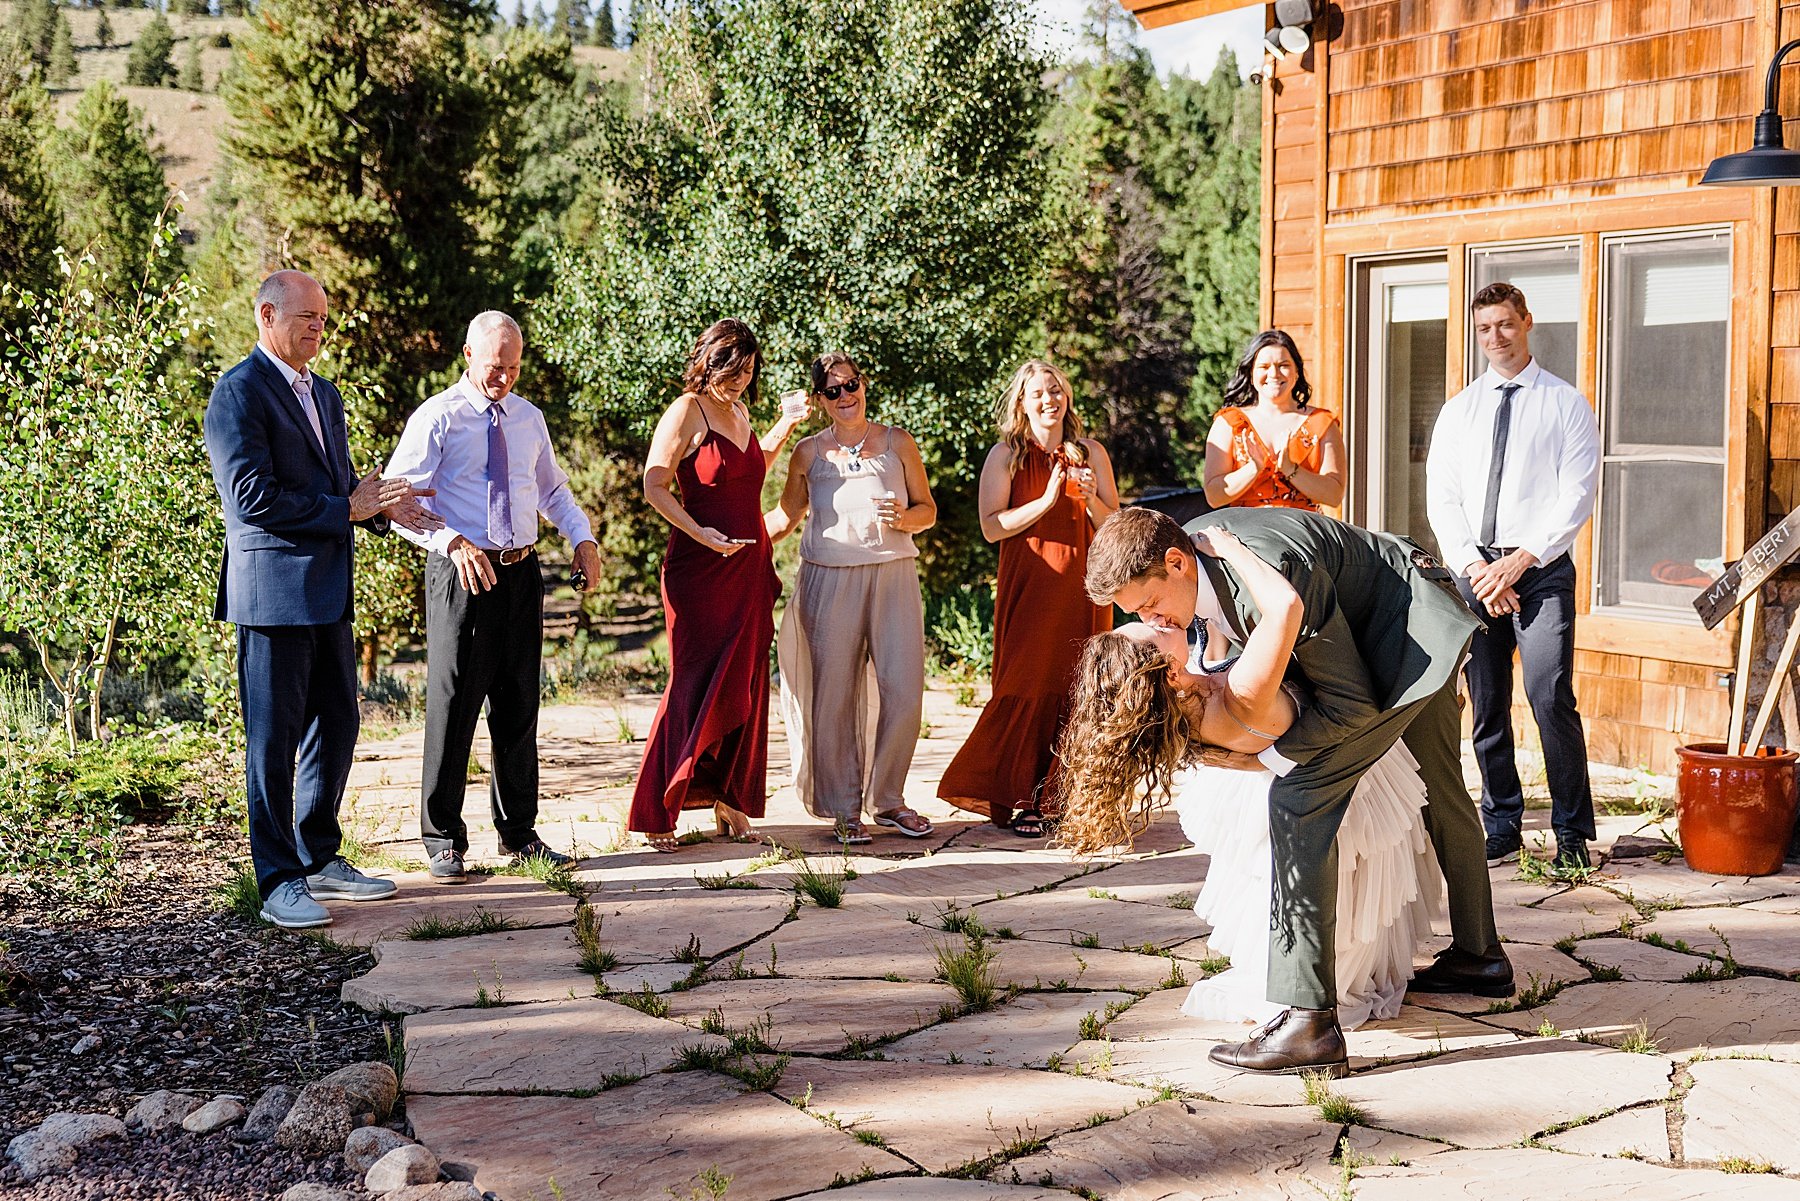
[{"x": 290, "y": 317}]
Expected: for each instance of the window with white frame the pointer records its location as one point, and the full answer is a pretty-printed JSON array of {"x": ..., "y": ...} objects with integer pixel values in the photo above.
[
  {"x": 1665, "y": 346},
  {"x": 1549, "y": 274}
]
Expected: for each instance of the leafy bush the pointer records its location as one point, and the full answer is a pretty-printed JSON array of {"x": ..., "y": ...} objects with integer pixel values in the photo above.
[{"x": 961, "y": 625}]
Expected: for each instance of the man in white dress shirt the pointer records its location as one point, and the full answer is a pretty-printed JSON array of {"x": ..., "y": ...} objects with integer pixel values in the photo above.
[
  {"x": 1509, "y": 482},
  {"x": 487, "y": 453}
]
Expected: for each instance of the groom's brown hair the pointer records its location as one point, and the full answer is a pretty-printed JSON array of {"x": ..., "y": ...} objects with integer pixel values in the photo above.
[{"x": 1131, "y": 545}]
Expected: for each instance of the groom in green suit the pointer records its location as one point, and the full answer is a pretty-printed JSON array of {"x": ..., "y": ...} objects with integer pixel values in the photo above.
[{"x": 1381, "y": 641}]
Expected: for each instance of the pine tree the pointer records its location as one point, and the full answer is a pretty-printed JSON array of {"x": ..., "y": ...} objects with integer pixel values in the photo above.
[
  {"x": 109, "y": 184},
  {"x": 539, "y": 18},
  {"x": 603, "y": 32},
  {"x": 28, "y": 210},
  {"x": 193, "y": 76},
  {"x": 35, "y": 23},
  {"x": 571, "y": 21},
  {"x": 103, "y": 30},
  {"x": 150, "y": 65},
  {"x": 62, "y": 65}
]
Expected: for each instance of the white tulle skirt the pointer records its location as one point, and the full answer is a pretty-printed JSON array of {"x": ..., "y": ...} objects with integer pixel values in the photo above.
[{"x": 1389, "y": 888}]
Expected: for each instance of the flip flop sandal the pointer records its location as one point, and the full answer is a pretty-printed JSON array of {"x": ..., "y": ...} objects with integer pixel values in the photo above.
[
  {"x": 1028, "y": 823},
  {"x": 896, "y": 821}
]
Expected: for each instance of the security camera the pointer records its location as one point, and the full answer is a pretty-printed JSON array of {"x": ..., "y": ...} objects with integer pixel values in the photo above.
[{"x": 1256, "y": 78}]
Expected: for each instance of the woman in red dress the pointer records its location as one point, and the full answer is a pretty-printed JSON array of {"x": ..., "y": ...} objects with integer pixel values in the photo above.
[
  {"x": 1045, "y": 489},
  {"x": 709, "y": 744},
  {"x": 1266, "y": 406}
]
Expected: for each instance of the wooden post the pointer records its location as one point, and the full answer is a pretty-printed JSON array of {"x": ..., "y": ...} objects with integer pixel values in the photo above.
[
  {"x": 1740, "y": 687},
  {"x": 1783, "y": 665}
]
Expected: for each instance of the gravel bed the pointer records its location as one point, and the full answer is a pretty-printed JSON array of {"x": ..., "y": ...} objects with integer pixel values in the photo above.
[
  {"x": 176, "y": 1166},
  {"x": 180, "y": 994}
]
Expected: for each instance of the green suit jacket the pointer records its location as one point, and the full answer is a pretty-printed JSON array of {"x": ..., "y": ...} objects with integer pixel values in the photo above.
[{"x": 1382, "y": 625}]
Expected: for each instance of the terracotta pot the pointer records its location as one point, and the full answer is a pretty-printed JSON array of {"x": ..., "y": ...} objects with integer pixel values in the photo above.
[{"x": 1736, "y": 812}]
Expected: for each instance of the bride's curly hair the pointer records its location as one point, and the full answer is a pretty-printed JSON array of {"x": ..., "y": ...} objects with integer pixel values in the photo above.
[{"x": 1126, "y": 737}]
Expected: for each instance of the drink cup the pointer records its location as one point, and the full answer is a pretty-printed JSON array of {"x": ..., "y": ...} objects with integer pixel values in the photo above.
[{"x": 795, "y": 404}]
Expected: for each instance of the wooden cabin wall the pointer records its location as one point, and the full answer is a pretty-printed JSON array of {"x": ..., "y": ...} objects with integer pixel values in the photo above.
[{"x": 1435, "y": 124}]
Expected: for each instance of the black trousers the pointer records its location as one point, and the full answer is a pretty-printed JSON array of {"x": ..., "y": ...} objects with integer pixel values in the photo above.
[
  {"x": 481, "y": 647},
  {"x": 297, "y": 686},
  {"x": 1543, "y": 633}
]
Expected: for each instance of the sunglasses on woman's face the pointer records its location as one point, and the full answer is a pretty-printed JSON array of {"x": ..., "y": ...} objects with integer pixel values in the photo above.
[{"x": 833, "y": 391}]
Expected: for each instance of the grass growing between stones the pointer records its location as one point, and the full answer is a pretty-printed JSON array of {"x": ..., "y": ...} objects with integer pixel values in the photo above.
[
  {"x": 966, "y": 922},
  {"x": 485, "y": 999},
  {"x": 595, "y": 959},
  {"x": 646, "y": 1001},
  {"x": 481, "y": 921},
  {"x": 239, "y": 894},
  {"x": 824, "y": 888},
  {"x": 1637, "y": 1041},
  {"x": 1332, "y": 1108},
  {"x": 723, "y": 881},
  {"x": 970, "y": 971},
  {"x": 1738, "y": 1165},
  {"x": 555, "y": 877}
]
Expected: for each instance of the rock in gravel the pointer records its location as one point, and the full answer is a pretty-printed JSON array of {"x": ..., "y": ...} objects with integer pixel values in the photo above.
[
  {"x": 316, "y": 1192},
  {"x": 266, "y": 1115},
  {"x": 216, "y": 1113},
  {"x": 411, "y": 1164},
  {"x": 449, "y": 1190},
  {"x": 84, "y": 1044},
  {"x": 371, "y": 1087},
  {"x": 318, "y": 1123},
  {"x": 56, "y": 1144},
  {"x": 369, "y": 1144},
  {"x": 161, "y": 1110}
]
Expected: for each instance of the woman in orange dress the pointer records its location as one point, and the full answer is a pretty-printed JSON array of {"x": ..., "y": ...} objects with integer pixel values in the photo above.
[
  {"x": 1266, "y": 407},
  {"x": 1045, "y": 489}
]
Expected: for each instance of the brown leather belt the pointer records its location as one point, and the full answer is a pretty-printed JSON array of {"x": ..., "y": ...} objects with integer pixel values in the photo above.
[{"x": 517, "y": 554}]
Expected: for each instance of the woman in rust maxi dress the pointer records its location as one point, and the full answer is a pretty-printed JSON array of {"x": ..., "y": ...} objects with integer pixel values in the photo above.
[
  {"x": 1044, "y": 490},
  {"x": 708, "y": 746}
]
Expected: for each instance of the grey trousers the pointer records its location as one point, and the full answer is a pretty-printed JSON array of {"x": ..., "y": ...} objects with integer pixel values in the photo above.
[
  {"x": 1306, "y": 807},
  {"x": 852, "y": 655}
]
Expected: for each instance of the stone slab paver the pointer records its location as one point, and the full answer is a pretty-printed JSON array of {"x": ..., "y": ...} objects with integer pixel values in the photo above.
[
  {"x": 1028, "y": 964},
  {"x": 1553, "y": 1176},
  {"x": 1756, "y": 938},
  {"x": 1637, "y": 960},
  {"x": 1749, "y": 1016},
  {"x": 936, "y": 1188},
  {"x": 961, "y": 878},
  {"x": 644, "y": 1140},
  {"x": 1023, "y": 1033},
  {"x": 941, "y": 1116},
  {"x": 1200, "y": 1150},
  {"x": 1069, "y": 915},
  {"x": 517, "y": 966},
  {"x": 1640, "y": 1132},
  {"x": 816, "y": 1015},
  {"x": 1386, "y": 1147},
  {"x": 556, "y": 1046},
  {"x": 1577, "y": 913},
  {"x": 870, "y": 944},
  {"x": 520, "y": 901},
  {"x": 1496, "y": 1096},
  {"x": 1154, "y": 881},
  {"x": 1743, "y": 1109},
  {"x": 1646, "y": 880},
  {"x": 657, "y": 929}
]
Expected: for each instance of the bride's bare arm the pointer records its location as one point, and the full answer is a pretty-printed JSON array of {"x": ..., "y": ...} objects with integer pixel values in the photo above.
[{"x": 1252, "y": 698}]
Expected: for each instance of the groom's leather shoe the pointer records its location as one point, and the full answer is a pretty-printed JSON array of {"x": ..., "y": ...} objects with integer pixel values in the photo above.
[
  {"x": 1456, "y": 970},
  {"x": 1292, "y": 1042}
]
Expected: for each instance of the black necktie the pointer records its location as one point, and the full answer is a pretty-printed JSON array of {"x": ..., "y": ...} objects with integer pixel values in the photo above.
[{"x": 1490, "y": 509}]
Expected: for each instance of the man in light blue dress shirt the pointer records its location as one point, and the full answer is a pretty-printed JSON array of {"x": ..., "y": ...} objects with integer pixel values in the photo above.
[
  {"x": 487, "y": 453},
  {"x": 1509, "y": 482}
]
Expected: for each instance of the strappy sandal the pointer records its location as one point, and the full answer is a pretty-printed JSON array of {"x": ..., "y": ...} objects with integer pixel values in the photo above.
[
  {"x": 728, "y": 829},
  {"x": 668, "y": 843},
  {"x": 852, "y": 834},
  {"x": 1029, "y": 823},
  {"x": 896, "y": 820}
]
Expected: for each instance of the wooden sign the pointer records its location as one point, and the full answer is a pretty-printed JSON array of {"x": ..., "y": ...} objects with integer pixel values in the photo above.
[{"x": 1744, "y": 577}]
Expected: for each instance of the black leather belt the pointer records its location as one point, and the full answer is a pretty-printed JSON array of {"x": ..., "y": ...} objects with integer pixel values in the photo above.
[{"x": 517, "y": 554}]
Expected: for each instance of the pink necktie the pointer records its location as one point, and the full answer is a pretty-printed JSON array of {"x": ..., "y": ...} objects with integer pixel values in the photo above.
[{"x": 303, "y": 390}]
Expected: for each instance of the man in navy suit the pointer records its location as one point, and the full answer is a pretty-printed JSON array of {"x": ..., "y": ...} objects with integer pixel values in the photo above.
[{"x": 281, "y": 460}]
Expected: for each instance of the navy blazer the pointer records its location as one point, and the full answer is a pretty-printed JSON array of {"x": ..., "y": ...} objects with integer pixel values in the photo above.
[{"x": 288, "y": 540}]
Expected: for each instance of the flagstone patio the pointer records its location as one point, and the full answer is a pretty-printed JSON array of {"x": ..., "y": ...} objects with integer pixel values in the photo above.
[{"x": 723, "y": 1030}]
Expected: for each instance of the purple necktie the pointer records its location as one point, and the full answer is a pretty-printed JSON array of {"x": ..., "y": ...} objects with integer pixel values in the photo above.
[{"x": 500, "y": 525}]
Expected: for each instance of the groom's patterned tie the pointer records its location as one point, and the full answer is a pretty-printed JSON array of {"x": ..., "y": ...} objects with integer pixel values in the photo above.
[
  {"x": 500, "y": 522},
  {"x": 1196, "y": 663},
  {"x": 303, "y": 393}
]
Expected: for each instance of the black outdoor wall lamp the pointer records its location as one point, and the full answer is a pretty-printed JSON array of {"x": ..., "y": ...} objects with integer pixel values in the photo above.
[{"x": 1768, "y": 163}]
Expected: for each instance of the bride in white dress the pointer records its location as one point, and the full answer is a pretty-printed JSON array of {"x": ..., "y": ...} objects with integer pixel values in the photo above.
[{"x": 1147, "y": 728}]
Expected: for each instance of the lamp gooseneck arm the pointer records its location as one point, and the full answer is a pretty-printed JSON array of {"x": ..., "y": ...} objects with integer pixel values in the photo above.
[{"x": 1769, "y": 87}]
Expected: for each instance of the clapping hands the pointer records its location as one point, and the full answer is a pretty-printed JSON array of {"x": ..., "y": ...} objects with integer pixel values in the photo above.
[{"x": 398, "y": 499}]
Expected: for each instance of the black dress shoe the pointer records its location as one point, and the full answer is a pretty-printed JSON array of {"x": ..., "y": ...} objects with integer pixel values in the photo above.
[
  {"x": 1292, "y": 1042},
  {"x": 1456, "y": 970},
  {"x": 1571, "y": 852}
]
